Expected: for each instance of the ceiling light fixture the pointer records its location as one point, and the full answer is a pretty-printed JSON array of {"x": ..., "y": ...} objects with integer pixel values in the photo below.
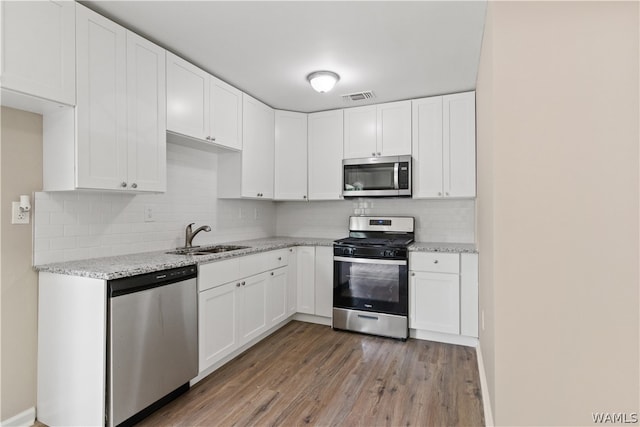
[{"x": 323, "y": 81}]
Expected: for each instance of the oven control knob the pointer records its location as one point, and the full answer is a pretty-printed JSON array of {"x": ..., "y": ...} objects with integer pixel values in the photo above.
[
  {"x": 348, "y": 251},
  {"x": 390, "y": 253}
]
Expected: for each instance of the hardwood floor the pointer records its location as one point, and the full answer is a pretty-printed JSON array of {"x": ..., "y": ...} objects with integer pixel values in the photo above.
[{"x": 309, "y": 374}]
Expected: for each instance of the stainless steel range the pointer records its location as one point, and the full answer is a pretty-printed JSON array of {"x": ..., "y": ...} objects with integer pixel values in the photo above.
[{"x": 370, "y": 276}]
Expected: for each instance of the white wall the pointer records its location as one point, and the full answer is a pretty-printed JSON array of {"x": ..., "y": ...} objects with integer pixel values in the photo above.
[
  {"x": 436, "y": 220},
  {"x": 558, "y": 210},
  {"x": 21, "y": 148},
  {"x": 77, "y": 225}
]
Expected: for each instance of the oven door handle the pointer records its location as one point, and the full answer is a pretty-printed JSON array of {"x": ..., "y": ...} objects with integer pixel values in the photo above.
[{"x": 371, "y": 261}]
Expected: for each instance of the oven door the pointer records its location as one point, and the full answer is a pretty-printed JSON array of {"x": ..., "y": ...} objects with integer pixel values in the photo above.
[{"x": 367, "y": 284}]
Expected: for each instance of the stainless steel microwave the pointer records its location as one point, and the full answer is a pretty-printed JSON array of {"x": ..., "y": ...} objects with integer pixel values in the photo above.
[{"x": 377, "y": 177}]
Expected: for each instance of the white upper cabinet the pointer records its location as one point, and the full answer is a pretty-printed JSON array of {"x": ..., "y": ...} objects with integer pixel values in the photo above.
[
  {"x": 444, "y": 146},
  {"x": 377, "y": 130},
  {"x": 146, "y": 115},
  {"x": 459, "y": 142},
  {"x": 101, "y": 102},
  {"x": 325, "y": 137},
  {"x": 360, "y": 132},
  {"x": 38, "y": 49},
  {"x": 225, "y": 120},
  {"x": 201, "y": 106},
  {"x": 290, "y": 167},
  {"x": 258, "y": 145},
  {"x": 115, "y": 138},
  {"x": 187, "y": 98},
  {"x": 249, "y": 174}
]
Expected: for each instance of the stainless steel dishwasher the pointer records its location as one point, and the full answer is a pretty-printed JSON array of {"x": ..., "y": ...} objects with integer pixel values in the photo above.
[{"x": 153, "y": 342}]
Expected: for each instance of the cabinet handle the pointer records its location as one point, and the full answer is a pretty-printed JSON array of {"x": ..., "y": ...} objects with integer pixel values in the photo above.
[
  {"x": 272, "y": 273},
  {"x": 379, "y": 154},
  {"x": 213, "y": 138},
  {"x": 290, "y": 250},
  {"x": 304, "y": 197},
  {"x": 134, "y": 185},
  {"x": 373, "y": 154},
  {"x": 446, "y": 194},
  {"x": 439, "y": 193},
  {"x": 279, "y": 258},
  {"x": 244, "y": 283},
  {"x": 435, "y": 261},
  {"x": 238, "y": 285},
  {"x": 123, "y": 185},
  {"x": 208, "y": 138},
  {"x": 413, "y": 274}
]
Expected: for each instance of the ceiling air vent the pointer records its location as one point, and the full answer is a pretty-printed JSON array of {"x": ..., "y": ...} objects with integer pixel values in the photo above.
[{"x": 358, "y": 96}]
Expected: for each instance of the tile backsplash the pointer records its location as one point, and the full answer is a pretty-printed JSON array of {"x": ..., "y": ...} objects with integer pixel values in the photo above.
[
  {"x": 445, "y": 220},
  {"x": 77, "y": 225}
]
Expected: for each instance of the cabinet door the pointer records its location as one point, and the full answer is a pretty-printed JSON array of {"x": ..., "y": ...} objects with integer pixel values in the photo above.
[
  {"x": 306, "y": 280},
  {"x": 360, "y": 132},
  {"x": 469, "y": 295},
  {"x": 324, "y": 281},
  {"x": 394, "y": 129},
  {"x": 459, "y": 142},
  {"x": 101, "y": 102},
  {"x": 38, "y": 50},
  {"x": 225, "y": 122},
  {"x": 253, "y": 307},
  {"x": 427, "y": 147},
  {"x": 434, "y": 302},
  {"x": 277, "y": 296},
  {"x": 290, "y": 174},
  {"x": 257, "y": 148},
  {"x": 146, "y": 112},
  {"x": 217, "y": 324},
  {"x": 292, "y": 285},
  {"x": 187, "y": 98},
  {"x": 325, "y": 136}
]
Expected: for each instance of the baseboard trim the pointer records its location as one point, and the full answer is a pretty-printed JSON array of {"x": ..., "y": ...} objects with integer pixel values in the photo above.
[
  {"x": 445, "y": 338},
  {"x": 486, "y": 399},
  {"x": 23, "y": 419},
  {"x": 310, "y": 318}
]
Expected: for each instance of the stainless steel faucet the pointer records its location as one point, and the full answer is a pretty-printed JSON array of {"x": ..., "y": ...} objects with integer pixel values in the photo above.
[{"x": 189, "y": 235}]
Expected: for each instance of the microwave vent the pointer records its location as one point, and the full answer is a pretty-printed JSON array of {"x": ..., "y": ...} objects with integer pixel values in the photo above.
[{"x": 358, "y": 96}]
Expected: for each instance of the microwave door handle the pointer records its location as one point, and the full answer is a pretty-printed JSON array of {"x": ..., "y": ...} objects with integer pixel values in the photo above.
[{"x": 396, "y": 166}]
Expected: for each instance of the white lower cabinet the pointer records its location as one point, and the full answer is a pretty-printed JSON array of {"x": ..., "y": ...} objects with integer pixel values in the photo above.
[
  {"x": 240, "y": 299},
  {"x": 436, "y": 302},
  {"x": 217, "y": 326},
  {"x": 292, "y": 282},
  {"x": 306, "y": 285},
  {"x": 277, "y": 296},
  {"x": 253, "y": 307},
  {"x": 443, "y": 294},
  {"x": 324, "y": 281}
]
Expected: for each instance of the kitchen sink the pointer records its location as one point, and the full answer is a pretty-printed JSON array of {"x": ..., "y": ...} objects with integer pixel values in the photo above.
[{"x": 206, "y": 250}]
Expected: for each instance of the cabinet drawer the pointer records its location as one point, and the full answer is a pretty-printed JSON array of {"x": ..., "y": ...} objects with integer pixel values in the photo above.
[
  {"x": 257, "y": 263},
  {"x": 218, "y": 273},
  {"x": 435, "y": 262}
]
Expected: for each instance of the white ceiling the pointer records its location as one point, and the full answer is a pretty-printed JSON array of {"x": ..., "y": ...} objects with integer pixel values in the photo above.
[{"x": 397, "y": 49}]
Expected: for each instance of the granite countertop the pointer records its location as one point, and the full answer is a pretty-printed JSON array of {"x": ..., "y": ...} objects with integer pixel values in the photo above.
[
  {"x": 458, "y": 248},
  {"x": 116, "y": 267}
]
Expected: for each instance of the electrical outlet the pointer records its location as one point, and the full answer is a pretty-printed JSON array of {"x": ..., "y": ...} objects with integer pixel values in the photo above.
[
  {"x": 148, "y": 214},
  {"x": 17, "y": 215}
]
